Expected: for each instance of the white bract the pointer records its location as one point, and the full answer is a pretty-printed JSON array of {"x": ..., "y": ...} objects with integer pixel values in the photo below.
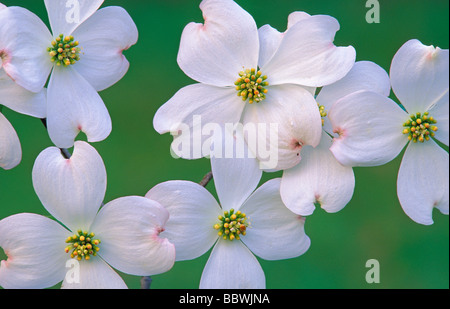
[
  {"x": 243, "y": 79},
  {"x": 124, "y": 233},
  {"x": 247, "y": 222},
  {"x": 372, "y": 129},
  {"x": 81, "y": 56},
  {"x": 320, "y": 178},
  {"x": 20, "y": 100}
]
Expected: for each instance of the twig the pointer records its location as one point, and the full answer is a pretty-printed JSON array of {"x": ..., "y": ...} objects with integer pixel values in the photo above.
[
  {"x": 146, "y": 282},
  {"x": 208, "y": 177}
]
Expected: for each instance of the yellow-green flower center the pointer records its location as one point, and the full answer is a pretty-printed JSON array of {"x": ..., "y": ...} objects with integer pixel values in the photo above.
[
  {"x": 323, "y": 112},
  {"x": 64, "y": 51},
  {"x": 250, "y": 86},
  {"x": 82, "y": 245},
  {"x": 232, "y": 225},
  {"x": 420, "y": 127}
]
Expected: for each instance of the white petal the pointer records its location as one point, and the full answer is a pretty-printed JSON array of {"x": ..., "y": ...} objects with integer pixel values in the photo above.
[
  {"x": 81, "y": 109},
  {"x": 66, "y": 16},
  {"x": 72, "y": 190},
  {"x": 23, "y": 48},
  {"x": 295, "y": 17},
  {"x": 10, "y": 149},
  {"x": 286, "y": 120},
  {"x": 21, "y": 100},
  {"x": 93, "y": 274},
  {"x": 215, "y": 52},
  {"x": 35, "y": 247},
  {"x": 236, "y": 173},
  {"x": 365, "y": 75},
  {"x": 422, "y": 182},
  {"x": 319, "y": 178},
  {"x": 189, "y": 113},
  {"x": 232, "y": 257},
  {"x": 269, "y": 41},
  {"x": 419, "y": 75},
  {"x": 129, "y": 230},
  {"x": 440, "y": 113},
  {"x": 307, "y": 55},
  {"x": 2, "y": 6},
  {"x": 270, "y": 38},
  {"x": 275, "y": 232},
  {"x": 103, "y": 38},
  {"x": 193, "y": 213},
  {"x": 370, "y": 128}
]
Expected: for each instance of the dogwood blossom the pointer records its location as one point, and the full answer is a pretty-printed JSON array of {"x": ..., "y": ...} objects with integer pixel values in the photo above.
[
  {"x": 239, "y": 82},
  {"x": 124, "y": 233},
  {"x": 83, "y": 55},
  {"x": 373, "y": 130},
  {"x": 247, "y": 222},
  {"x": 320, "y": 178}
]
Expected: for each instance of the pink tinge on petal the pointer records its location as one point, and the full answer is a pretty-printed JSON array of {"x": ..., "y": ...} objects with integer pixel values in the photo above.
[
  {"x": 156, "y": 235},
  {"x": 225, "y": 43},
  {"x": 72, "y": 190},
  {"x": 296, "y": 145},
  {"x": 307, "y": 55},
  {"x": 301, "y": 218},
  {"x": 340, "y": 132},
  {"x": 318, "y": 179},
  {"x": 370, "y": 128},
  {"x": 104, "y": 37},
  {"x": 4, "y": 57},
  {"x": 4, "y": 263},
  {"x": 419, "y": 75},
  {"x": 24, "y": 40}
]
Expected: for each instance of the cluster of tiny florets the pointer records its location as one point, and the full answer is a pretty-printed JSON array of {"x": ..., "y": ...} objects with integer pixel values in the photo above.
[
  {"x": 64, "y": 51},
  {"x": 250, "y": 85},
  {"x": 420, "y": 128}
]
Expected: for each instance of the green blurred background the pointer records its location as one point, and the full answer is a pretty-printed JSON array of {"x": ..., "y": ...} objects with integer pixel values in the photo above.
[{"x": 371, "y": 226}]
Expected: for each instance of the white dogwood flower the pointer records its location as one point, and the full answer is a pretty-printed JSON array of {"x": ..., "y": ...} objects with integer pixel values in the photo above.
[
  {"x": 82, "y": 55},
  {"x": 247, "y": 222},
  {"x": 373, "y": 130},
  {"x": 123, "y": 234},
  {"x": 238, "y": 82},
  {"x": 320, "y": 178}
]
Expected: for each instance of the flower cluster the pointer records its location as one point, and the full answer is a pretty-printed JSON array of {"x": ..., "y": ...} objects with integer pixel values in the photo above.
[{"x": 287, "y": 101}]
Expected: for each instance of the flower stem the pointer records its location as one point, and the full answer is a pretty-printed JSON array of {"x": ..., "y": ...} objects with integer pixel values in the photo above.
[
  {"x": 208, "y": 177},
  {"x": 146, "y": 282}
]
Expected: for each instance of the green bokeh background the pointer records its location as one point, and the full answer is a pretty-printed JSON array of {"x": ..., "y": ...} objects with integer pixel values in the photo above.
[{"x": 371, "y": 226}]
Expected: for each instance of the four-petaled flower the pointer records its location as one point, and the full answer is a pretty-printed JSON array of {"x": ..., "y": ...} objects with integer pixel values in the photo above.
[
  {"x": 247, "y": 222},
  {"x": 83, "y": 57},
  {"x": 124, "y": 233},
  {"x": 243, "y": 78},
  {"x": 372, "y": 129}
]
